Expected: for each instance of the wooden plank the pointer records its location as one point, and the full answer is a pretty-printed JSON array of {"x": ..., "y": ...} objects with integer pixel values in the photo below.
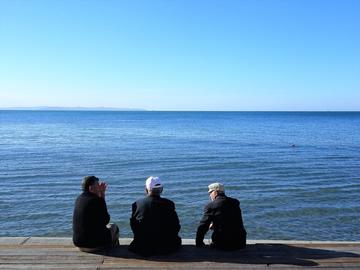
[
  {"x": 302, "y": 242},
  {"x": 49, "y": 260},
  {"x": 45, "y": 241},
  {"x": 12, "y": 240},
  {"x": 44, "y": 251},
  {"x": 48, "y": 267}
]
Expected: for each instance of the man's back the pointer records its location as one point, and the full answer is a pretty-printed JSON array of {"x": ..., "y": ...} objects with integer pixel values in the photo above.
[
  {"x": 225, "y": 215},
  {"x": 155, "y": 225},
  {"x": 89, "y": 221}
]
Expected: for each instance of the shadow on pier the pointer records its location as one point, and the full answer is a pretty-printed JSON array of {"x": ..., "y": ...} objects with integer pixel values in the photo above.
[{"x": 266, "y": 254}]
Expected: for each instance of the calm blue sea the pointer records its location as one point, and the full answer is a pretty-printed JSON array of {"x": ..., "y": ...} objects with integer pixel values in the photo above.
[{"x": 296, "y": 174}]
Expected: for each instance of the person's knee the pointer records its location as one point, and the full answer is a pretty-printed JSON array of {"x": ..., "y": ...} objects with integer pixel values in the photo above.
[{"x": 114, "y": 231}]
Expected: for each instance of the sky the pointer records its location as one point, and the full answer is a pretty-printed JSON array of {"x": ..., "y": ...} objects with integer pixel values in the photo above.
[{"x": 256, "y": 55}]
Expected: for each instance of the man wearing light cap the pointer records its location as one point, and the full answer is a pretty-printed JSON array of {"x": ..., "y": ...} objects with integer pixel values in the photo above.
[
  {"x": 223, "y": 216},
  {"x": 154, "y": 222}
]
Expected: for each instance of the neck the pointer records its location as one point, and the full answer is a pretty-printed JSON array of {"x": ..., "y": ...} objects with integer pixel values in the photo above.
[{"x": 154, "y": 195}]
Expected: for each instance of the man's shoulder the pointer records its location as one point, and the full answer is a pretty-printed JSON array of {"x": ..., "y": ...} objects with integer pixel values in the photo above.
[
  {"x": 140, "y": 201},
  {"x": 83, "y": 196},
  {"x": 225, "y": 200},
  {"x": 150, "y": 201},
  {"x": 167, "y": 201},
  {"x": 162, "y": 200},
  {"x": 233, "y": 199},
  {"x": 85, "y": 200},
  {"x": 212, "y": 204},
  {"x": 89, "y": 198}
]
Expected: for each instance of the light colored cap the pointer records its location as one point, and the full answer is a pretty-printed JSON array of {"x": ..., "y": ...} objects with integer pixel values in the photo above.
[
  {"x": 216, "y": 187},
  {"x": 153, "y": 182}
]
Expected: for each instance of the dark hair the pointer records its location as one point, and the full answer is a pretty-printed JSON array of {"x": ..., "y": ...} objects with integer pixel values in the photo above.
[{"x": 88, "y": 181}]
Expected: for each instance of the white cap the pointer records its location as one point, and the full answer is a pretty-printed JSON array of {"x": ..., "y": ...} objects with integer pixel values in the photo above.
[
  {"x": 153, "y": 182},
  {"x": 216, "y": 187}
]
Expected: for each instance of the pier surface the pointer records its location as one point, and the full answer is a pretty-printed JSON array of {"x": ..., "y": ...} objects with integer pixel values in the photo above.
[{"x": 59, "y": 253}]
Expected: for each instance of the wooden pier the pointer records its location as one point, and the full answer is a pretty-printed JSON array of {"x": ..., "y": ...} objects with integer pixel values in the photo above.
[{"x": 59, "y": 253}]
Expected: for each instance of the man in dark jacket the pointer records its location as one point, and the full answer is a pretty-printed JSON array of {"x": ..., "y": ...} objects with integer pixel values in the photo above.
[
  {"x": 91, "y": 230},
  {"x": 223, "y": 216},
  {"x": 154, "y": 222}
]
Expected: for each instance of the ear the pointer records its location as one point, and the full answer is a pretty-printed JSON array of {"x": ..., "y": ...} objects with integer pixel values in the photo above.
[{"x": 93, "y": 189}]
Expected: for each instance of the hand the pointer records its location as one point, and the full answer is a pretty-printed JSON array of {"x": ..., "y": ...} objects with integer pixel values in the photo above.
[
  {"x": 102, "y": 189},
  {"x": 211, "y": 226}
]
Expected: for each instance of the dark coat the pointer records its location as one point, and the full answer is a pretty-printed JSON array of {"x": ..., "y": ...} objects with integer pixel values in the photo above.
[
  {"x": 225, "y": 214},
  {"x": 89, "y": 222},
  {"x": 155, "y": 225}
]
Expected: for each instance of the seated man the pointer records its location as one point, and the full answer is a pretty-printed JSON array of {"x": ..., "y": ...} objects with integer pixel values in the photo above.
[
  {"x": 223, "y": 215},
  {"x": 154, "y": 222},
  {"x": 91, "y": 231}
]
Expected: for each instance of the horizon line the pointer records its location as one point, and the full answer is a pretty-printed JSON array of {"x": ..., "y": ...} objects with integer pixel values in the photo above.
[{"x": 114, "y": 109}]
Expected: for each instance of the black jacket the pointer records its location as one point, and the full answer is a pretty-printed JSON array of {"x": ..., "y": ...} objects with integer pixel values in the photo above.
[
  {"x": 225, "y": 214},
  {"x": 89, "y": 221},
  {"x": 155, "y": 225}
]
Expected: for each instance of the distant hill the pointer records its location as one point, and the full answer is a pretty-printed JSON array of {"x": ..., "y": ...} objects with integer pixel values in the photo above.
[{"x": 48, "y": 108}]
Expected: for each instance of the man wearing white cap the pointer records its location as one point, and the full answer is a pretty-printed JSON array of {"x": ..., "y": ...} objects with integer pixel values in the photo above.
[
  {"x": 223, "y": 216},
  {"x": 154, "y": 222}
]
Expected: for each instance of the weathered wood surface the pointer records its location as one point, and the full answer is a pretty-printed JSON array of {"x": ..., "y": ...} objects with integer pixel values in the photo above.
[{"x": 59, "y": 253}]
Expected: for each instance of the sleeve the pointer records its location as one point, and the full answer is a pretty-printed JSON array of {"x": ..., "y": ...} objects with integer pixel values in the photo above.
[
  {"x": 204, "y": 225},
  {"x": 133, "y": 221},
  {"x": 175, "y": 220},
  {"x": 104, "y": 215}
]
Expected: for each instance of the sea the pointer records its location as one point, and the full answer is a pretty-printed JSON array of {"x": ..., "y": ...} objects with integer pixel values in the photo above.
[{"x": 296, "y": 174}]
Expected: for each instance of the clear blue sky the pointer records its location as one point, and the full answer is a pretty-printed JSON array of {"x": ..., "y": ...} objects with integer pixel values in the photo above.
[{"x": 181, "y": 55}]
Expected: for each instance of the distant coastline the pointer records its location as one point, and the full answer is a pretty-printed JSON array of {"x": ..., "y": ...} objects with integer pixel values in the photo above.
[
  {"x": 54, "y": 108},
  {"x": 49, "y": 108}
]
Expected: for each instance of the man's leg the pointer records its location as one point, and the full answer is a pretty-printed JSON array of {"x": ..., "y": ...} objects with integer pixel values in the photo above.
[
  {"x": 90, "y": 250},
  {"x": 114, "y": 230}
]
